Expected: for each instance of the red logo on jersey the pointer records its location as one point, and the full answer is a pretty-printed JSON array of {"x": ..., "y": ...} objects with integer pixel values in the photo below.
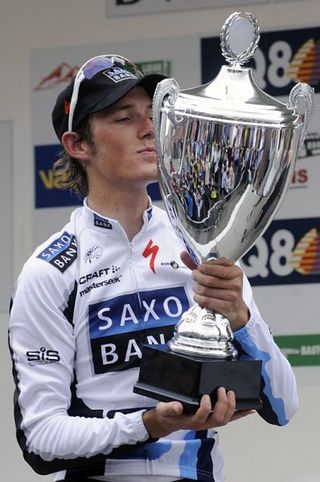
[{"x": 151, "y": 250}]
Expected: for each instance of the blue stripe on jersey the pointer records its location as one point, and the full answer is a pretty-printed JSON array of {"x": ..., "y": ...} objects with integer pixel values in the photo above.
[
  {"x": 189, "y": 457},
  {"x": 148, "y": 451},
  {"x": 156, "y": 450},
  {"x": 276, "y": 403}
]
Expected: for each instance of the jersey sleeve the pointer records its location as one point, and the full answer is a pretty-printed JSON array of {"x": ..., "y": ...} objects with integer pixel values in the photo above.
[
  {"x": 42, "y": 345},
  {"x": 278, "y": 385}
]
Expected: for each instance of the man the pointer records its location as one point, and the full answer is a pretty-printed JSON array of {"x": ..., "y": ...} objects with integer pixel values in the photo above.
[{"x": 89, "y": 297}]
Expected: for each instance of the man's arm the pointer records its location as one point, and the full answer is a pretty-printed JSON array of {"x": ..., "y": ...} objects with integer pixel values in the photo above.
[
  {"x": 43, "y": 347},
  {"x": 220, "y": 285}
]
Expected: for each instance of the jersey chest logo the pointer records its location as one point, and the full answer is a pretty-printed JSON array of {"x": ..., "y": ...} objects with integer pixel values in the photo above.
[{"x": 120, "y": 326}]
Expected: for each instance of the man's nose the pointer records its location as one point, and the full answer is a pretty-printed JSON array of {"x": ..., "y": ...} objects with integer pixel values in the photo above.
[{"x": 146, "y": 128}]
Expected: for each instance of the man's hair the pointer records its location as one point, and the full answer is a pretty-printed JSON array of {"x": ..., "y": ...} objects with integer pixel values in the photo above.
[{"x": 67, "y": 170}]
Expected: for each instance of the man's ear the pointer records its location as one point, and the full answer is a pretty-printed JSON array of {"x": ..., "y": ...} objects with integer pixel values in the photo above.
[{"x": 75, "y": 147}]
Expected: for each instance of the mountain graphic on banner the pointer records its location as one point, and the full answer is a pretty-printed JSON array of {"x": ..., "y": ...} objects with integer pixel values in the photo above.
[
  {"x": 62, "y": 73},
  {"x": 305, "y": 65},
  {"x": 306, "y": 255}
]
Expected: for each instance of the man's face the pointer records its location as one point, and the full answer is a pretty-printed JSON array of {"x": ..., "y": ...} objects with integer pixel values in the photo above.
[{"x": 123, "y": 151}]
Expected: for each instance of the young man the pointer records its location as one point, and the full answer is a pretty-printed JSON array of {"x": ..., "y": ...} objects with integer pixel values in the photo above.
[{"x": 109, "y": 281}]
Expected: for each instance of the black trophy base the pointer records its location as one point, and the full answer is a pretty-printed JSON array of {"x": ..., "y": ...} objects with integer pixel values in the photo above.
[{"x": 167, "y": 376}]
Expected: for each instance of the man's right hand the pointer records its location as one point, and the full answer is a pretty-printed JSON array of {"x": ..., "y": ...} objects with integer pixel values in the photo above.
[{"x": 169, "y": 417}]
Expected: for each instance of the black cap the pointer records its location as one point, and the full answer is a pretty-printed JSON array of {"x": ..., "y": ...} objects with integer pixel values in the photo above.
[{"x": 100, "y": 91}]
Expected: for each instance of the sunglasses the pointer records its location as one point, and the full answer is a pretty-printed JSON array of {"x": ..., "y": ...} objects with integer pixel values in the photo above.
[{"x": 118, "y": 65}]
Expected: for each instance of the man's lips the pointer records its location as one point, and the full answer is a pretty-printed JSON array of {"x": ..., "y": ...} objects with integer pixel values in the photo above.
[{"x": 147, "y": 149}]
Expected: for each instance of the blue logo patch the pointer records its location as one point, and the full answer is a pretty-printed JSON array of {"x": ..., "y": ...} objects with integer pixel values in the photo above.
[
  {"x": 117, "y": 74},
  {"x": 61, "y": 253},
  {"x": 102, "y": 222}
]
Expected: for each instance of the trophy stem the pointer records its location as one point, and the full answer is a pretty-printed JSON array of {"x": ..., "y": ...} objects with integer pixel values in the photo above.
[{"x": 200, "y": 332}]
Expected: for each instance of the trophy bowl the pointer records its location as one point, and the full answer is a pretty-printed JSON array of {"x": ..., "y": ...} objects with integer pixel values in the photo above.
[{"x": 227, "y": 153}]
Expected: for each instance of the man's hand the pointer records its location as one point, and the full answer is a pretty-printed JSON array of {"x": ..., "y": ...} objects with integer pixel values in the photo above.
[
  {"x": 218, "y": 286},
  {"x": 169, "y": 417}
]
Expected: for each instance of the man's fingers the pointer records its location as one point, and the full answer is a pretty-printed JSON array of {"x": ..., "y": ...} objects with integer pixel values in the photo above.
[
  {"x": 220, "y": 271},
  {"x": 203, "y": 411},
  {"x": 169, "y": 409},
  {"x": 231, "y": 405},
  {"x": 223, "y": 408}
]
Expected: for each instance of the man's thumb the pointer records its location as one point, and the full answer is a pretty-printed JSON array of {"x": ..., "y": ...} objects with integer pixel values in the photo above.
[{"x": 185, "y": 258}]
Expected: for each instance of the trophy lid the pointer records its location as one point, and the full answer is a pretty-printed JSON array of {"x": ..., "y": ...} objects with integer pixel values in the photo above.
[{"x": 233, "y": 96}]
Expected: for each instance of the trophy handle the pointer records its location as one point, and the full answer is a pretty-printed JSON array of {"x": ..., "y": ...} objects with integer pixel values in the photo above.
[
  {"x": 166, "y": 88},
  {"x": 302, "y": 92}
]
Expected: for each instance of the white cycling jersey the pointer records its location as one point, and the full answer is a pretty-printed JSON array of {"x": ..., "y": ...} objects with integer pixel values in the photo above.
[{"x": 84, "y": 304}]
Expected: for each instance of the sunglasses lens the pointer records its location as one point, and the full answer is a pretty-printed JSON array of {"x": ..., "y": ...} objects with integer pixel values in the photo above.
[
  {"x": 126, "y": 65},
  {"x": 95, "y": 65}
]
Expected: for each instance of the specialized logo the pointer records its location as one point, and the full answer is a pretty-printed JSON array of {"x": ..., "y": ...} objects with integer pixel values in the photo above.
[
  {"x": 61, "y": 253},
  {"x": 119, "y": 326},
  {"x": 151, "y": 250},
  {"x": 42, "y": 356},
  {"x": 102, "y": 222},
  {"x": 93, "y": 253},
  {"x": 117, "y": 74}
]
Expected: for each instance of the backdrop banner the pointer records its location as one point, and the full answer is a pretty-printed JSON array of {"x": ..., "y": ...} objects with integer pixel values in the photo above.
[{"x": 284, "y": 265}]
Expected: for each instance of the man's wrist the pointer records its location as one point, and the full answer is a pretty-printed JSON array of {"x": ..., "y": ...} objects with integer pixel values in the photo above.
[
  {"x": 242, "y": 319},
  {"x": 152, "y": 424}
]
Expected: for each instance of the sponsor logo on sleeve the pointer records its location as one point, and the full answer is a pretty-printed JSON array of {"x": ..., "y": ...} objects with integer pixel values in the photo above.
[
  {"x": 61, "y": 253},
  {"x": 42, "y": 356}
]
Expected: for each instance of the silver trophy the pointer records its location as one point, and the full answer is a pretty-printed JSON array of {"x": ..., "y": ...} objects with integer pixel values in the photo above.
[{"x": 227, "y": 153}]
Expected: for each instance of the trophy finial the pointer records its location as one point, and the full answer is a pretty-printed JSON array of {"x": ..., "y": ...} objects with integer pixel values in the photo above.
[{"x": 239, "y": 38}]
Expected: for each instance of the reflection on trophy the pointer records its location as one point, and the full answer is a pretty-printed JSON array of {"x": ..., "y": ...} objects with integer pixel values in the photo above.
[{"x": 227, "y": 154}]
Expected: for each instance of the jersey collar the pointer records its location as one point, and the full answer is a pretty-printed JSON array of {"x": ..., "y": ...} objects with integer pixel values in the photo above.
[{"x": 102, "y": 223}]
